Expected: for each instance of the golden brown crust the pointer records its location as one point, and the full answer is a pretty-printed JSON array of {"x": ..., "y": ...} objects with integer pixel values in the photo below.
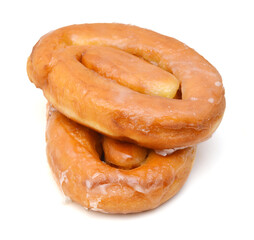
[
  {"x": 75, "y": 162},
  {"x": 117, "y": 111},
  {"x": 122, "y": 154},
  {"x": 123, "y": 81}
]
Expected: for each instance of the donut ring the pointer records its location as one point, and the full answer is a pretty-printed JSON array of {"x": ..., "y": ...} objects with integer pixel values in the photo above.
[
  {"x": 131, "y": 85},
  {"x": 74, "y": 157},
  {"x": 97, "y": 102}
]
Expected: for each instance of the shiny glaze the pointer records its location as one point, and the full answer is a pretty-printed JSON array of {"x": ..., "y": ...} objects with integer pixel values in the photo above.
[
  {"x": 74, "y": 156},
  {"x": 101, "y": 103}
]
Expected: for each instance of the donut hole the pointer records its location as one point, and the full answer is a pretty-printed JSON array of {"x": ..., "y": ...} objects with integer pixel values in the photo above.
[{"x": 178, "y": 93}]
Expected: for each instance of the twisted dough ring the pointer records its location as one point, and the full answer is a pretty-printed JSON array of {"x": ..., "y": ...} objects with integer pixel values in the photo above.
[
  {"x": 100, "y": 103},
  {"x": 74, "y": 156},
  {"x": 120, "y": 80}
]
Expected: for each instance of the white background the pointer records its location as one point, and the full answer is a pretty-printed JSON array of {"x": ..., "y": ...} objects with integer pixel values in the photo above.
[{"x": 217, "y": 200}]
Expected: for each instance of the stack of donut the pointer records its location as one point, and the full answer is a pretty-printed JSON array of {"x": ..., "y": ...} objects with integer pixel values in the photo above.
[{"x": 127, "y": 107}]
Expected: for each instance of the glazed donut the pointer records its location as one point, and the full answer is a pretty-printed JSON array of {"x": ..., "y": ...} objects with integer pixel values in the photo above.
[
  {"x": 128, "y": 106},
  {"x": 74, "y": 154},
  {"x": 119, "y": 80}
]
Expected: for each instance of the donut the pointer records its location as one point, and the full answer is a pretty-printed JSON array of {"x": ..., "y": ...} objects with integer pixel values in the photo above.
[
  {"x": 120, "y": 79},
  {"x": 75, "y": 157},
  {"x": 127, "y": 107}
]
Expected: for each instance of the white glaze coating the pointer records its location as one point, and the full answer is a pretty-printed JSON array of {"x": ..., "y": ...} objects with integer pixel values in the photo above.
[
  {"x": 96, "y": 175},
  {"x": 94, "y": 203},
  {"x": 154, "y": 63},
  {"x": 124, "y": 156},
  {"x": 211, "y": 100},
  {"x": 63, "y": 177},
  {"x": 67, "y": 199},
  {"x": 88, "y": 184},
  {"x": 217, "y": 84},
  {"x": 102, "y": 189},
  {"x": 193, "y": 99},
  {"x": 165, "y": 152}
]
